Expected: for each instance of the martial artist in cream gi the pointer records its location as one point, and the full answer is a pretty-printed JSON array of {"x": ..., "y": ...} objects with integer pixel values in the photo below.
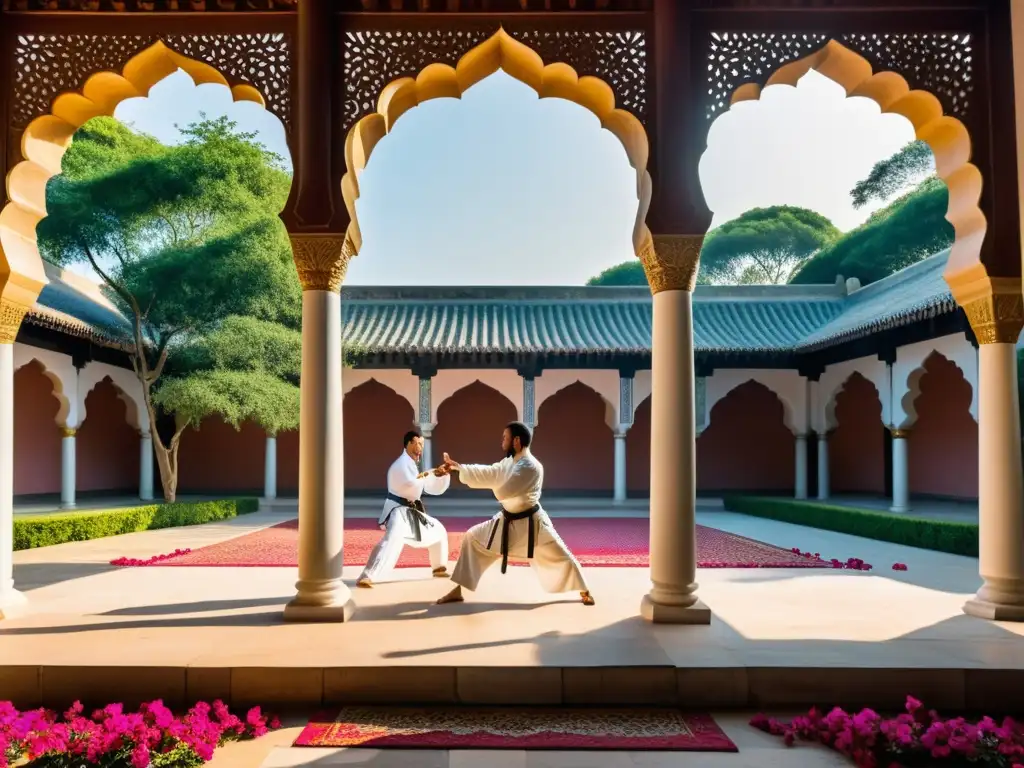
[
  {"x": 521, "y": 529},
  {"x": 404, "y": 519}
]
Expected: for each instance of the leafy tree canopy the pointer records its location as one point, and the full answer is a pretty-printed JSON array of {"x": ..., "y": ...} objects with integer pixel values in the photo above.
[
  {"x": 904, "y": 170},
  {"x": 627, "y": 273},
  {"x": 187, "y": 241},
  {"x": 764, "y": 245},
  {"x": 907, "y": 230}
]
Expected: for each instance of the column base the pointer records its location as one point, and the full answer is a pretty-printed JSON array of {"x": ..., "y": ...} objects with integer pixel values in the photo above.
[
  {"x": 13, "y": 604},
  {"x": 658, "y": 613},
  {"x": 998, "y": 600},
  {"x": 72, "y": 505},
  {"x": 323, "y": 603},
  {"x": 899, "y": 510}
]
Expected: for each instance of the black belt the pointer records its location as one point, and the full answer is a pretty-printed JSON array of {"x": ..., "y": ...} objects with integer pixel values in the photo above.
[
  {"x": 507, "y": 518},
  {"x": 416, "y": 519}
]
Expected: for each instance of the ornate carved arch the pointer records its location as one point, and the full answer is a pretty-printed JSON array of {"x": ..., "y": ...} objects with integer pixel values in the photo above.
[
  {"x": 43, "y": 145},
  {"x": 949, "y": 141},
  {"x": 500, "y": 51}
]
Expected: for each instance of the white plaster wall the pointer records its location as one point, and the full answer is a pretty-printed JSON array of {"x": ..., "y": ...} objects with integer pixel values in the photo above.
[
  {"x": 641, "y": 388},
  {"x": 789, "y": 386},
  {"x": 450, "y": 380},
  {"x": 834, "y": 378},
  {"x": 909, "y": 368},
  {"x": 400, "y": 381},
  {"x": 604, "y": 382},
  {"x": 59, "y": 369},
  {"x": 128, "y": 387}
]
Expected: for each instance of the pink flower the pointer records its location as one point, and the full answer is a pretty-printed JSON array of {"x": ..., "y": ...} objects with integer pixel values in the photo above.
[{"x": 899, "y": 566}]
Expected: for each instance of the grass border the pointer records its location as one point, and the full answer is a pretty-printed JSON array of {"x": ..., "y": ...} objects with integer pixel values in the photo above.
[
  {"x": 35, "y": 531},
  {"x": 955, "y": 538}
]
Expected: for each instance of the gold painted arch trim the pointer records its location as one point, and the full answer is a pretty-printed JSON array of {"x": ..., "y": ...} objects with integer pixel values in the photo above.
[
  {"x": 48, "y": 137},
  {"x": 500, "y": 51},
  {"x": 948, "y": 138}
]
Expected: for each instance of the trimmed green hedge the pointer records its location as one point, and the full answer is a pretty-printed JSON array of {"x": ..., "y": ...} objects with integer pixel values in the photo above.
[
  {"x": 937, "y": 535},
  {"x": 47, "y": 530}
]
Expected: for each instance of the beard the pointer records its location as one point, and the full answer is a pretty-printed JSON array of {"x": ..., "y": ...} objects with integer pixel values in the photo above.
[{"x": 510, "y": 453}]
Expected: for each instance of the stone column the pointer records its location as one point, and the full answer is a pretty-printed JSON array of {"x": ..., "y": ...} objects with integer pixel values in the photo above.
[
  {"x": 996, "y": 320},
  {"x": 426, "y": 425},
  {"x": 620, "y": 464},
  {"x": 671, "y": 267},
  {"x": 800, "y": 483},
  {"x": 270, "y": 468},
  {"x": 145, "y": 465},
  {"x": 321, "y": 260},
  {"x": 12, "y": 601},
  {"x": 529, "y": 401},
  {"x": 67, "y": 468},
  {"x": 823, "y": 479},
  {"x": 900, "y": 478}
]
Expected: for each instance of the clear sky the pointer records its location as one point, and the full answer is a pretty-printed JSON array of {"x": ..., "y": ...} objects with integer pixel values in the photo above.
[{"x": 503, "y": 188}]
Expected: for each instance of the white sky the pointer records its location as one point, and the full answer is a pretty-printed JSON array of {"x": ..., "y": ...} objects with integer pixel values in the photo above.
[{"x": 563, "y": 208}]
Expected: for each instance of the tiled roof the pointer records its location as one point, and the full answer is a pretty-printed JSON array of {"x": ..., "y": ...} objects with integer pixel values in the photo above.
[
  {"x": 71, "y": 304},
  {"x": 569, "y": 320}
]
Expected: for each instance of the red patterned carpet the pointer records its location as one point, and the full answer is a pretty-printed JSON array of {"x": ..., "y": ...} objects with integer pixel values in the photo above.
[
  {"x": 507, "y": 728},
  {"x": 604, "y": 542}
]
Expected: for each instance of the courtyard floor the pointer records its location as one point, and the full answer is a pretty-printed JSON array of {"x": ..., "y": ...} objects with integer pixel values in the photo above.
[{"x": 187, "y": 632}]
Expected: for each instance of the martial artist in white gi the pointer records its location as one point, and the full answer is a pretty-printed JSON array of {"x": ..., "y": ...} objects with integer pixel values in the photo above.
[
  {"x": 404, "y": 519},
  {"x": 521, "y": 529}
]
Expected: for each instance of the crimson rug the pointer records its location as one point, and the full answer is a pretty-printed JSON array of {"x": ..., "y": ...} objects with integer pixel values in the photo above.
[
  {"x": 602, "y": 542},
  {"x": 519, "y": 728}
]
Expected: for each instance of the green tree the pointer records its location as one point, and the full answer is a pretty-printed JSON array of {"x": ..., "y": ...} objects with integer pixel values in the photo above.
[
  {"x": 764, "y": 245},
  {"x": 183, "y": 238},
  {"x": 627, "y": 273},
  {"x": 907, "y": 230},
  {"x": 904, "y": 170}
]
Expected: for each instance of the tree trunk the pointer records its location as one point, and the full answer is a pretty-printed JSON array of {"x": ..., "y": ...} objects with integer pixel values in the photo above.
[{"x": 166, "y": 461}]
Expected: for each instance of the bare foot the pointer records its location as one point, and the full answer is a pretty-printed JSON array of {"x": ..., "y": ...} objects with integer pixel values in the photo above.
[
  {"x": 365, "y": 584},
  {"x": 455, "y": 596},
  {"x": 588, "y": 599},
  {"x": 440, "y": 573}
]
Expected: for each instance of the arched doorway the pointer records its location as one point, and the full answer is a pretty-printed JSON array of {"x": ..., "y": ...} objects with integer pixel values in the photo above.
[
  {"x": 107, "y": 455},
  {"x": 856, "y": 448},
  {"x": 470, "y": 422},
  {"x": 37, "y": 438},
  {"x": 943, "y": 445},
  {"x": 747, "y": 445},
  {"x": 574, "y": 442},
  {"x": 376, "y": 418}
]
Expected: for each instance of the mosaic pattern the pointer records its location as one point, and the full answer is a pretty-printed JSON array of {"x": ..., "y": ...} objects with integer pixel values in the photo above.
[
  {"x": 625, "y": 399},
  {"x": 47, "y": 65},
  {"x": 529, "y": 401},
  {"x": 507, "y": 728},
  {"x": 938, "y": 62},
  {"x": 424, "y": 404},
  {"x": 612, "y": 542},
  {"x": 374, "y": 58}
]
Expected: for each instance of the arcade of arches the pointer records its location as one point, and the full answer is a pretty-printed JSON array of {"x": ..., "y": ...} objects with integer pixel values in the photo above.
[{"x": 745, "y": 442}]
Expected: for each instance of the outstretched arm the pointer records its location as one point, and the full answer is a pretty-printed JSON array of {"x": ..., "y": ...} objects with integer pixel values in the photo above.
[
  {"x": 484, "y": 476},
  {"x": 435, "y": 485}
]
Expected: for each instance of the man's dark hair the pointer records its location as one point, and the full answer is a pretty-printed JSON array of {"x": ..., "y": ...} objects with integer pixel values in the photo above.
[
  {"x": 520, "y": 430},
  {"x": 409, "y": 436}
]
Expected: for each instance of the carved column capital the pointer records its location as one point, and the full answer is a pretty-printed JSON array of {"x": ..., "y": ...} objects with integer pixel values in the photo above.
[
  {"x": 11, "y": 315},
  {"x": 321, "y": 259},
  {"x": 994, "y": 305},
  {"x": 671, "y": 262}
]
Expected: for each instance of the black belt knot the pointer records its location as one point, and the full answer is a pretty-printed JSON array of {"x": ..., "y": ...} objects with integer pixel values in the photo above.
[
  {"x": 506, "y": 519},
  {"x": 416, "y": 519}
]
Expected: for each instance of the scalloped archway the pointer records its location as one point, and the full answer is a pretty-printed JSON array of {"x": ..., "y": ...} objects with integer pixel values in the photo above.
[
  {"x": 500, "y": 51},
  {"x": 48, "y": 137},
  {"x": 948, "y": 138}
]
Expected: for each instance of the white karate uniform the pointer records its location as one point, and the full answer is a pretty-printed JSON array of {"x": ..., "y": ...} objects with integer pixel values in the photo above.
[
  {"x": 396, "y": 520},
  {"x": 517, "y": 485}
]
